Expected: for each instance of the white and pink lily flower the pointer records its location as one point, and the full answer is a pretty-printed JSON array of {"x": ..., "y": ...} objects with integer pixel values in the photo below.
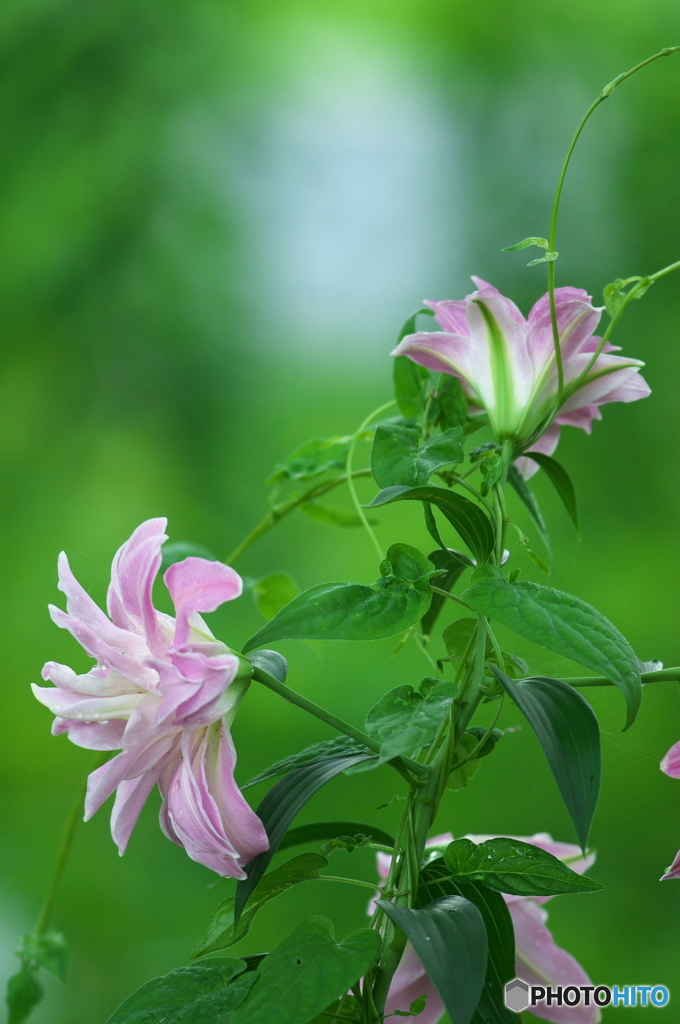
[
  {"x": 671, "y": 767},
  {"x": 164, "y": 692},
  {"x": 507, "y": 366},
  {"x": 539, "y": 961}
]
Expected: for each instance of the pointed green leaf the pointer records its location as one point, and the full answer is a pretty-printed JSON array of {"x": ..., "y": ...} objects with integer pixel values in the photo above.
[
  {"x": 562, "y": 624},
  {"x": 466, "y": 518},
  {"x": 567, "y": 730},
  {"x": 350, "y": 611},
  {"x": 281, "y": 805},
  {"x": 449, "y": 936},
  {"x": 511, "y": 866},
  {"x": 190, "y": 995},
  {"x": 561, "y": 481},
  {"x": 405, "y": 720},
  {"x": 48, "y": 951},
  {"x": 541, "y": 243},
  {"x": 306, "y": 972},
  {"x": 435, "y": 883},
  {"x": 222, "y": 932}
]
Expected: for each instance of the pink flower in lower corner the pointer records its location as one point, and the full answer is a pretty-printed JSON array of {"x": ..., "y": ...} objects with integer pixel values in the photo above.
[
  {"x": 507, "y": 366},
  {"x": 539, "y": 961},
  {"x": 163, "y": 692},
  {"x": 671, "y": 766}
]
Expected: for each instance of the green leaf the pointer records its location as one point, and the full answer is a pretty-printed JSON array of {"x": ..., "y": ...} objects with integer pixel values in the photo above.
[
  {"x": 306, "y": 972},
  {"x": 222, "y": 932},
  {"x": 478, "y": 731},
  {"x": 511, "y": 866},
  {"x": 317, "y": 753},
  {"x": 347, "y": 843},
  {"x": 616, "y": 294},
  {"x": 189, "y": 995},
  {"x": 24, "y": 992},
  {"x": 332, "y": 830},
  {"x": 561, "y": 481},
  {"x": 549, "y": 257},
  {"x": 350, "y": 611},
  {"x": 454, "y": 565},
  {"x": 436, "y": 882},
  {"x": 567, "y": 730},
  {"x": 400, "y": 455},
  {"x": 542, "y": 243},
  {"x": 453, "y": 406},
  {"x": 333, "y": 516},
  {"x": 272, "y": 593},
  {"x": 466, "y": 518},
  {"x": 312, "y": 459},
  {"x": 280, "y": 806},
  {"x": 405, "y": 720},
  {"x": 562, "y": 624},
  {"x": 528, "y": 498},
  {"x": 177, "y": 551},
  {"x": 48, "y": 951},
  {"x": 449, "y": 936}
]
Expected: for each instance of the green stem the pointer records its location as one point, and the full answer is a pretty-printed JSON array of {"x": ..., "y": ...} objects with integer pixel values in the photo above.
[
  {"x": 64, "y": 852},
  {"x": 280, "y": 511},
  {"x": 293, "y": 697},
  {"x": 350, "y": 881},
  {"x": 350, "y": 482},
  {"x": 451, "y": 597},
  {"x": 664, "y": 675},
  {"x": 606, "y": 92}
]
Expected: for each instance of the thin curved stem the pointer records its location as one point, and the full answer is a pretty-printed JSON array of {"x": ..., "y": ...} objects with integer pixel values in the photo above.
[
  {"x": 664, "y": 675},
  {"x": 350, "y": 482},
  {"x": 606, "y": 92},
  {"x": 65, "y": 852}
]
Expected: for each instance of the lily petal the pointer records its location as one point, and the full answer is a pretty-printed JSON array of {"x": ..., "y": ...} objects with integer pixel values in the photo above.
[
  {"x": 197, "y": 585},
  {"x": 671, "y": 762}
]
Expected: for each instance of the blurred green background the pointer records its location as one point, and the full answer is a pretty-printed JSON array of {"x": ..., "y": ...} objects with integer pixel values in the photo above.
[{"x": 213, "y": 219}]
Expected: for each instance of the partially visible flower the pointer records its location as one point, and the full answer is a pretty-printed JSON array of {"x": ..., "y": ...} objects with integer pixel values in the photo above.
[
  {"x": 164, "y": 691},
  {"x": 671, "y": 766},
  {"x": 539, "y": 961},
  {"x": 507, "y": 366}
]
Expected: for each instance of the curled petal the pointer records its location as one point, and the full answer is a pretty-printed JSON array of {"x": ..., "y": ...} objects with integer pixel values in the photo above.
[
  {"x": 197, "y": 585},
  {"x": 562, "y": 295},
  {"x": 194, "y": 688},
  {"x": 131, "y": 796},
  {"x": 99, "y": 682},
  {"x": 671, "y": 762},
  {"x": 450, "y": 315},
  {"x": 206, "y": 812},
  {"x": 81, "y": 708},
  {"x": 133, "y": 572},
  {"x": 98, "y": 648},
  {"x": 91, "y": 735},
  {"x": 576, "y": 321},
  {"x": 438, "y": 351}
]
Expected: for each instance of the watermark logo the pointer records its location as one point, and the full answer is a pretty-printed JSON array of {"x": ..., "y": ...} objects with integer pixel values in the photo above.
[{"x": 520, "y": 996}]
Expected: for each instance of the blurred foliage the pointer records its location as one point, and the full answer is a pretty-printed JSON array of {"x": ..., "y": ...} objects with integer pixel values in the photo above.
[{"x": 153, "y": 363}]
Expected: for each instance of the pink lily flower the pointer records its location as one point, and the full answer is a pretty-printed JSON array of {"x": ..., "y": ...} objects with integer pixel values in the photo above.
[
  {"x": 507, "y": 366},
  {"x": 539, "y": 961},
  {"x": 671, "y": 766},
  {"x": 164, "y": 691}
]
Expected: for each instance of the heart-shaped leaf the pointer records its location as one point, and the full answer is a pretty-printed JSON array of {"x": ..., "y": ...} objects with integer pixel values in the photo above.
[{"x": 350, "y": 611}]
